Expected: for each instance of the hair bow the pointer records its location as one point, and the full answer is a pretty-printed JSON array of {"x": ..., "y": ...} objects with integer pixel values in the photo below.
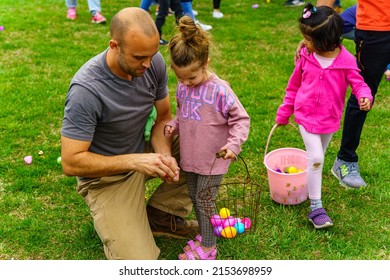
[{"x": 307, "y": 12}]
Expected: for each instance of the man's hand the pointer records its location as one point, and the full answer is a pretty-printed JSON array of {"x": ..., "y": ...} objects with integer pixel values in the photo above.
[{"x": 158, "y": 165}]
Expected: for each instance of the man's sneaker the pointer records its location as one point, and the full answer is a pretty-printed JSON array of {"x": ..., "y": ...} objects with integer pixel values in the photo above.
[
  {"x": 294, "y": 3},
  {"x": 195, "y": 12},
  {"x": 163, "y": 42},
  {"x": 348, "y": 174},
  {"x": 217, "y": 14},
  {"x": 71, "y": 13},
  {"x": 320, "y": 218},
  {"x": 205, "y": 27},
  {"x": 165, "y": 224},
  {"x": 98, "y": 18}
]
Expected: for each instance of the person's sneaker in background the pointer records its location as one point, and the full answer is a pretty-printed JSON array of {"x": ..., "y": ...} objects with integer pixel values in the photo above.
[
  {"x": 348, "y": 174},
  {"x": 217, "y": 14},
  {"x": 71, "y": 13},
  {"x": 205, "y": 27},
  {"x": 163, "y": 42},
  {"x": 98, "y": 18},
  {"x": 294, "y": 3}
]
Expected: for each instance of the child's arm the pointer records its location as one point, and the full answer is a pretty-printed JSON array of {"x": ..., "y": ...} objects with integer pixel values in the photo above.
[
  {"x": 229, "y": 154},
  {"x": 171, "y": 128},
  {"x": 365, "y": 104},
  {"x": 286, "y": 109},
  {"x": 360, "y": 89}
]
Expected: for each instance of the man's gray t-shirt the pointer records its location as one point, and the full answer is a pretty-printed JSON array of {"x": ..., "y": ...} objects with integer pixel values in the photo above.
[{"x": 109, "y": 111}]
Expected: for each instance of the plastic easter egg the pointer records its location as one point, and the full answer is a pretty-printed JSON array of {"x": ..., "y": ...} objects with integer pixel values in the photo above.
[
  {"x": 28, "y": 159},
  {"x": 239, "y": 227},
  {"x": 59, "y": 160},
  {"x": 229, "y": 232},
  {"x": 291, "y": 170},
  {"x": 224, "y": 213},
  {"x": 229, "y": 222},
  {"x": 247, "y": 222},
  {"x": 216, "y": 220},
  {"x": 218, "y": 231}
]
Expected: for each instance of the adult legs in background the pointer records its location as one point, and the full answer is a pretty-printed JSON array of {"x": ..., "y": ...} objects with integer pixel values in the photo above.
[
  {"x": 373, "y": 54},
  {"x": 216, "y": 9}
]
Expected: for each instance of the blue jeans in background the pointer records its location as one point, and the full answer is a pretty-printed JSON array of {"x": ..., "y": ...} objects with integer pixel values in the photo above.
[{"x": 93, "y": 5}]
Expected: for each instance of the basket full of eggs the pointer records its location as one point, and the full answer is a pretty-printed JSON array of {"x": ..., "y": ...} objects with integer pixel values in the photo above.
[
  {"x": 232, "y": 207},
  {"x": 287, "y": 173}
]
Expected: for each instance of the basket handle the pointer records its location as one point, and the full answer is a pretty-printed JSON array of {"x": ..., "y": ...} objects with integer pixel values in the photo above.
[{"x": 270, "y": 135}]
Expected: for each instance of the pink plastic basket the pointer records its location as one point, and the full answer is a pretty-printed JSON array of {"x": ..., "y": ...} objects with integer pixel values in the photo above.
[{"x": 288, "y": 189}]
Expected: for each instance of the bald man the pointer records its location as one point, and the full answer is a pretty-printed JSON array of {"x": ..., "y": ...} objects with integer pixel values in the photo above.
[{"x": 103, "y": 142}]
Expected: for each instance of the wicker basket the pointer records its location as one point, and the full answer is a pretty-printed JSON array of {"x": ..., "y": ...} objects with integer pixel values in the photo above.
[{"x": 241, "y": 198}]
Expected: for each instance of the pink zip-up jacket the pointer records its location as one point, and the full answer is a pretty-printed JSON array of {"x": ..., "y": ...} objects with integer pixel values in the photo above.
[
  {"x": 316, "y": 96},
  {"x": 208, "y": 117}
]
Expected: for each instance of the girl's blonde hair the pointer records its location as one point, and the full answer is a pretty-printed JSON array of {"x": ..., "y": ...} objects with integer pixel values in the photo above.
[{"x": 190, "y": 44}]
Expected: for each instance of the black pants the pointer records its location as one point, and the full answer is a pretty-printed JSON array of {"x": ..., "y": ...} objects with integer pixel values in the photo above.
[
  {"x": 373, "y": 55},
  {"x": 163, "y": 9}
]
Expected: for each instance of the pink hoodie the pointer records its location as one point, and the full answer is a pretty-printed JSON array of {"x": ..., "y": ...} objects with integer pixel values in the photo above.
[
  {"x": 316, "y": 96},
  {"x": 208, "y": 117}
]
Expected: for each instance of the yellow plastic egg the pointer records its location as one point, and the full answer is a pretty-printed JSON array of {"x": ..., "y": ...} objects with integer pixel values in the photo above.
[
  {"x": 224, "y": 213},
  {"x": 229, "y": 232},
  {"x": 292, "y": 170}
]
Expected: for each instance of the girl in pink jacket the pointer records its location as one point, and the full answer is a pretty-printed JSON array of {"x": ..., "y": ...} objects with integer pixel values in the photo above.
[
  {"x": 315, "y": 94},
  {"x": 209, "y": 118}
]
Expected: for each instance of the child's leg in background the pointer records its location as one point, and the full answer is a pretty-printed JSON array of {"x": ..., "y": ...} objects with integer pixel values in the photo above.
[
  {"x": 176, "y": 7},
  {"x": 94, "y": 6},
  {"x": 145, "y": 4},
  {"x": 203, "y": 190},
  {"x": 187, "y": 8},
  {"x": 316, "y": 145},
  {"x": 162, "y": 14},
  {"x": 71, "y": 3}
]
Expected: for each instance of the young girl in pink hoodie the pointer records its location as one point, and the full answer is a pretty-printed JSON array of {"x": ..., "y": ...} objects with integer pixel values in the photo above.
[
  {"x": 209, "y": 118},
  {"x": 315, "y": 94}
]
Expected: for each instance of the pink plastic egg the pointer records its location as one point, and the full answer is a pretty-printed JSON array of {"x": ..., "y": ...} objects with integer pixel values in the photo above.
[
  {"x": 216, "y": 220},
  {"x": 28, "y": 159},
  {"x": 229, "y": 222},
  {"x": 247, "y": 222}
]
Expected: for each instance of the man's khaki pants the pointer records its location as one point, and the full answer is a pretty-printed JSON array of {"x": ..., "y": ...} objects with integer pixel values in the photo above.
[{"x": 118, "y": 207}]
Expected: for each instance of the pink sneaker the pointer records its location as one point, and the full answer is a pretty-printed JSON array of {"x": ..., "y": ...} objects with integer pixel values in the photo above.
[
  {"x": 98, "y": 18},
  {"x": 71, "y": 13}
]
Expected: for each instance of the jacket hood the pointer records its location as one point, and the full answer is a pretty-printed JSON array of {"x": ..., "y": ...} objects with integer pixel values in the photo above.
[{"x": 343, "y": 61}]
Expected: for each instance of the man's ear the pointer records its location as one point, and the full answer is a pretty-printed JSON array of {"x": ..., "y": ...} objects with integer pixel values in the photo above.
[{"x": 113, "y": 44}]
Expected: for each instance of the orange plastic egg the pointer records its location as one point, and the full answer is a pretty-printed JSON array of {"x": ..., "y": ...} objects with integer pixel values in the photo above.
[{"x": 229, "y": 232}]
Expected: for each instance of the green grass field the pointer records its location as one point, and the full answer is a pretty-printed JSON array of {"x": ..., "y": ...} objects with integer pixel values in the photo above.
[{"x": 42, "y": 217}]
